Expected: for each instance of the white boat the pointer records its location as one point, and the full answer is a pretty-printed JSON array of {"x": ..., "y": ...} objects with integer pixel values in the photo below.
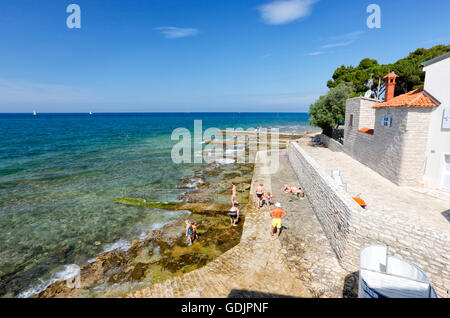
[
  {"x": 90, "y": 113},
  {"x": 385, "y": 276},
  {"x": 34, "y": 113}
]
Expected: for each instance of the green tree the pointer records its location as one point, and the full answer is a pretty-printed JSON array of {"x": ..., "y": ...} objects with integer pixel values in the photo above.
[
  {"x": 409, "y": 70},
  {"x": 329, "y": 110}
]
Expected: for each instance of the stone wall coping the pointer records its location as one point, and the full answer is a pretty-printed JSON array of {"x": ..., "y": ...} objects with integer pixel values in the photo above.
[{"x": 365, "y": 98}]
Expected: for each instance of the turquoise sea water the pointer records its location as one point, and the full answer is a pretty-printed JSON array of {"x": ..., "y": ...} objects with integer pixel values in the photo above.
[{"x": 59, "y": 174}]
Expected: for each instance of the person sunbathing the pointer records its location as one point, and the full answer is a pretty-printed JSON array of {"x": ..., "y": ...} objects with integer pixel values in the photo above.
[
  {"x": 293, "y": 190},
  {"x": 286, "y": 188}
]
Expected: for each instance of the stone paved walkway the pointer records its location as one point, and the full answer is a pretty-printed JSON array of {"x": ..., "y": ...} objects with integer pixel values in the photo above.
[
  {"x": 309, "y": 254},
  {"x": 426, "y": 209}
]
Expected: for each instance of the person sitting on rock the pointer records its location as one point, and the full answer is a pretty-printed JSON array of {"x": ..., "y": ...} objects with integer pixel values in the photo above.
[
  {"x": 300, "y": 193},
  {"x": 234, "y": 213}
]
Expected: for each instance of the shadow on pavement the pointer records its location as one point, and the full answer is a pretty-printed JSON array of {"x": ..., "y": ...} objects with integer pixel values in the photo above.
[{"x": 237, "y": 293}]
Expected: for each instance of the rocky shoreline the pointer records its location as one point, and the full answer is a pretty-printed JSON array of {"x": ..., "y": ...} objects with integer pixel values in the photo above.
[{"x": 164, "y": 253}]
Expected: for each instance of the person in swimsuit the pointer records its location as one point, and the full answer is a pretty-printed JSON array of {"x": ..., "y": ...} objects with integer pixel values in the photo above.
[
  {"x": 189, "y": 232},
  {"x": 277, "y": 214},
  {"x": 259, "y": 194},
  {"x": 286, "y": 188},
  {"x": 270, "y": 198},
  {"x": 267, "y": 199},
  {"x": 293, "y": 190},
  {"x": 233, "y": 193},
  {"x": 234, "y": 213},
  {"x": 194, "y": 231}
]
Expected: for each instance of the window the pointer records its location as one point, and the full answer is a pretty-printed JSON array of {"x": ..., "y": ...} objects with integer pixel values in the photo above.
[
  {"x": 446, "y": 119},
  {"x": 351, "y": 120},
  {"x": 386, "y": 121}
]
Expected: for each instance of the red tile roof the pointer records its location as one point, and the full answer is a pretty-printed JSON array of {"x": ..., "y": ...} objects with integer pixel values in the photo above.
[{"x": 415, "y": 98}]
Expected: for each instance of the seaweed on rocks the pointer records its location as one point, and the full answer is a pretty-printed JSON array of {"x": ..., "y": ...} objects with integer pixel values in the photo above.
[{"x": 164, "y": 253}]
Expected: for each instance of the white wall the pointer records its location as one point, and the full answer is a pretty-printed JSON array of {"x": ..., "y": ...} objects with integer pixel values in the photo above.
[{"x": 437, "y": 83}]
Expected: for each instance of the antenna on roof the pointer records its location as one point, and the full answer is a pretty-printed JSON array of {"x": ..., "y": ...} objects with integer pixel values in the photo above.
[
  {"x": 369, "y": 85},
  {"x": 368, "y": 94}
]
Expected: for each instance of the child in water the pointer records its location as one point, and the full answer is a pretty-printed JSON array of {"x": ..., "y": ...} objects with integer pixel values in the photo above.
[{"x": 194, "y": 231}]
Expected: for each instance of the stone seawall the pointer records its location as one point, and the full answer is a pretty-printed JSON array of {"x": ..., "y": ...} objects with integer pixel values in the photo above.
[
  {"x": 331, "y": 144},
  {"x": 349, "y": 228}
]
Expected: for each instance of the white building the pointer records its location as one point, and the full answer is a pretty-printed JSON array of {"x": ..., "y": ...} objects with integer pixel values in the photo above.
[
  {"x": 406, "y": 138},
  {"x": 437, "y": 83}
]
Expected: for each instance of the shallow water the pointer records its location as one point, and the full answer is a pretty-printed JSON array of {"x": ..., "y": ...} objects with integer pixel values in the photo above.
[{"x": 59, "y": 174}]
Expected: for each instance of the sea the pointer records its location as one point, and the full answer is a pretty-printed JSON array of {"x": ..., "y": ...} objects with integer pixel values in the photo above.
[{"x": 60, "y": 173}]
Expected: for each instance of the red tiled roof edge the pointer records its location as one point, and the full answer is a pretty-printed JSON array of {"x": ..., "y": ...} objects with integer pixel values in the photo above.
[{"x": 416, "y": 98}]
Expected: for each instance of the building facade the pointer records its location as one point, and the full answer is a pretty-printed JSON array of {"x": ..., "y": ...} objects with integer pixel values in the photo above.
[
  {"x": 405, "y": 138},
  {"x": 437, "y": 83}
]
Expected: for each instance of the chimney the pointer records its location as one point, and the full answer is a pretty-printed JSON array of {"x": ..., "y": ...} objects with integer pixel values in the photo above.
[{"x": 390, "y": 86}]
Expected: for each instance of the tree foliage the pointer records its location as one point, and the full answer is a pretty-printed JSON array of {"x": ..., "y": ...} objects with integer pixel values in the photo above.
[
  {"x": 409, "y": 70},
  {"x": 329, "y": 110}
]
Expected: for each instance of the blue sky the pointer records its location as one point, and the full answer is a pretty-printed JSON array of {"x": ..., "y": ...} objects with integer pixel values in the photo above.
[{"x": 197, "y": 55}]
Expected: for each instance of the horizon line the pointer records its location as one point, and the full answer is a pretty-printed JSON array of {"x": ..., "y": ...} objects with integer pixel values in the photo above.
[{"x": 156, "y": 112}]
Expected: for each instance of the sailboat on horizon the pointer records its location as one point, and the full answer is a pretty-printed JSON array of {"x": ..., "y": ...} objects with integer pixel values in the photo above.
[{"x": 34, "y": 113}]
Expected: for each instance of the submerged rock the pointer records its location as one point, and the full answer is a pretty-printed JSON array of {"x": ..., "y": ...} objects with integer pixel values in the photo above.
[{"x": 63, "y": 251}]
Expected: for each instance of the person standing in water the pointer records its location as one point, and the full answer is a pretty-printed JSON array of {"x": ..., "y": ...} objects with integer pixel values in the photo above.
[
  {"x": 233, "y": 193},
  {"x": 277, "y": 214},
  {"x": 194, "y": 231},
  {"x": 234, "y": 213},
  {"x": 189, "y": 232},
  {"x": 259, "y": 194}
]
